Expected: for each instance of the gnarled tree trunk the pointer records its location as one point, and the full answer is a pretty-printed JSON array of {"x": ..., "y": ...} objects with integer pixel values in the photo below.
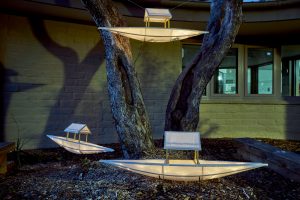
[
  {"x": 182, "y": 113},
  {"x": 127, "y": 104}
]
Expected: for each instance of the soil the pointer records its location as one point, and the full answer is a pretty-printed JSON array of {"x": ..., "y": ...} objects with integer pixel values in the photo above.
[{"x": 58, "y": 174}]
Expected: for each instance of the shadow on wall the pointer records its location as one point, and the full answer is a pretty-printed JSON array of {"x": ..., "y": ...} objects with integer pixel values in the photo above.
[
  {"x": 292, "y": 121},
  {"x": 8, "y": 88},
  {"x": 158, "y": 68},
  {"x": 210, "y": 128},
  {"x": 65, "y": 3},
  {"x": 3, "y": 107},
  {"x": 77, "y": 76}
]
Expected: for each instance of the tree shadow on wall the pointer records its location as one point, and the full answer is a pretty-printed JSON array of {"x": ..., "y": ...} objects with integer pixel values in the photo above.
[
  {"x": 77, "y": 76},
  {"x": 8, "y": 88},
  {"x": 212, "y": 128},
  {"x": 3, "y": 107}
]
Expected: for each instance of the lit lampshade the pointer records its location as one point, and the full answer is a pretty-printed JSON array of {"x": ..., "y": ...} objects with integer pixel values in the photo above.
[
  {"x": 76, "y": 145},
  {"x": 184, "y": 170},
  {"x": 155, "y": 34},
  {"x": 157, "y": 15}
]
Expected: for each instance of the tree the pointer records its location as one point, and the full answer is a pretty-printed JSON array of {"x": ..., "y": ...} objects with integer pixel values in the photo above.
[
  {"x": 127, "y": 104},
  {"x": 182, "y": 113},
  {"x": 126, "y": 99}
]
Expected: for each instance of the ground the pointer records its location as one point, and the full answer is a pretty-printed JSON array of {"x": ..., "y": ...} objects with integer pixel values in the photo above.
[{"x": 57, "y": 174}]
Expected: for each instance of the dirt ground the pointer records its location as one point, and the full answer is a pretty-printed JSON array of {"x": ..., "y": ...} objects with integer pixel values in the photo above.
[{"x": 57, "y": 174}]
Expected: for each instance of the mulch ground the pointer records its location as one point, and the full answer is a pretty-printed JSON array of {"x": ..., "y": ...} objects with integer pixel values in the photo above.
[{"x": 57, "y": 174}]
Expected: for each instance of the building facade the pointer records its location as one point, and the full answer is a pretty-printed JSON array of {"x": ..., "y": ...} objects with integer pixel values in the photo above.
[{"x": 53, "y": 71}]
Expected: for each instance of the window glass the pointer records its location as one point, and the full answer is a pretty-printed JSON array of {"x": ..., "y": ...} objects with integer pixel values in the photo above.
[
  {"x": 189, "y": 51},
  {"x": 260, "y": 71},
  {"x": 290, "y": 72},
  {"x": 225, "y": 79}
]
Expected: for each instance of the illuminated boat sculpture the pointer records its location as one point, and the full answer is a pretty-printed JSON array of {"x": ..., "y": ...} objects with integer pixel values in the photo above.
[
  {"x": 78, "y": 146},
  {"x": 184, "y": 170},
  {"x": 155, "y": 34}
]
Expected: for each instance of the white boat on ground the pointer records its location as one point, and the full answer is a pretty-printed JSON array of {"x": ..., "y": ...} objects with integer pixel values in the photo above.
[
  {"x": 78, "y": 147},
  {"x": 184, "y": 170},
  {"x": 75, "y": 145}
]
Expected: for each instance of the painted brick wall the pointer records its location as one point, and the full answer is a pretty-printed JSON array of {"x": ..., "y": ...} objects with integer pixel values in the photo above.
[
  {"x": 55, "y": 75},
  {"x": 278, "y": 121}
]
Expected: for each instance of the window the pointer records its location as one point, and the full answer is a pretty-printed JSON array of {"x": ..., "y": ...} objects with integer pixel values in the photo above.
[
  {"x": 188, "y": 53},
  {"x": 260, "y": 71},
  {"x": 290, "y": 71},
  {"x": 226, "y": 76}
]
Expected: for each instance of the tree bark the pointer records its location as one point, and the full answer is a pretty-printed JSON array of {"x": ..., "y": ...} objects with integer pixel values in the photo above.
[
  {"x": 182, "y": 113},
  {"x": 127, "y": 104}
]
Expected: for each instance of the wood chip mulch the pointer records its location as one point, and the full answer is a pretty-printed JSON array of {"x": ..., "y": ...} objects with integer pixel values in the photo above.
[{"x": 57, "y": 174}]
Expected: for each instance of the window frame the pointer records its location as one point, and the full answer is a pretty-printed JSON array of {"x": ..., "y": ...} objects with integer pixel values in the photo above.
[
  {"x": 208, "y": 93},
  {"x": 240, "y": 70},
  {"x": 246, "y": 94},
  {"x": 291, "y": 82}
]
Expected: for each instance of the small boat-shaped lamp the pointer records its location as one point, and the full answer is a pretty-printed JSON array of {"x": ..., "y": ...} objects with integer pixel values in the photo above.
[
  {"x": 155, "y": 34},
  {"x": 75, "y": 144}
]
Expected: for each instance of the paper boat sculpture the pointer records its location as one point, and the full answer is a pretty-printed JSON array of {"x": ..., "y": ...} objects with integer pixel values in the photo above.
[
  {"x": 184, "y": 170},
  {"x": 75, "y": 145},
  {"x": 154, "y": 34}
]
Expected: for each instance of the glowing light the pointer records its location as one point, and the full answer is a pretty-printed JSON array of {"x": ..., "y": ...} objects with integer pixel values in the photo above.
[
  {"x": 153, "y": 34},
  {"x": 78, "y": 147},
  {"x": 157, "y": 15},
  {"x": 220, "y": 78},
  {"x": 184, "y": 170}
]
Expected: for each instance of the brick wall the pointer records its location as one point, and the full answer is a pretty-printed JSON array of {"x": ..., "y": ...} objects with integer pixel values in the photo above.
[
  {"x": 278, "y": 121},
  {"x": 55, "y": 75}
]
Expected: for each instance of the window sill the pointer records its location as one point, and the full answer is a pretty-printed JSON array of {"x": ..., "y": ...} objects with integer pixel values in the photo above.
[{"x": 266, "y": 100}]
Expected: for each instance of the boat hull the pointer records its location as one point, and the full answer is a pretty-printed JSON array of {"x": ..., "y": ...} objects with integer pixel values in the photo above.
[
  {"x": 184, "y": 170},
  {"x": 153, "y": 34},
  {"x": 74, "y": 146}
]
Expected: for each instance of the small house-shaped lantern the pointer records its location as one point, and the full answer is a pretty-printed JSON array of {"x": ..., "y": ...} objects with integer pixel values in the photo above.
[
  {"x": 78, "y": 129},
  {"x": 157, "y": 15},
  {"x": 75, "y": 145}
]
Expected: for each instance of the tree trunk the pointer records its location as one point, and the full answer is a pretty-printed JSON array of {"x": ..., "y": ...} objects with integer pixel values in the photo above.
[
  {"x": 127, "y": 104},
  {"x": 182, "y": 112}
]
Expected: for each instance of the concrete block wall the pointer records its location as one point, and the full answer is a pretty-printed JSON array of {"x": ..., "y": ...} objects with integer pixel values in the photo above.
[
  {"x": 260, "y": 120},
  {"x": 55, "y": 75},
  {"x": 158, "y": 66}
]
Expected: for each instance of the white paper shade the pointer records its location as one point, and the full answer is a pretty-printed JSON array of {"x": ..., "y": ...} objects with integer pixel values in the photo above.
[
  {"x": 78, "y": 147},
  {"x": 157, "y": 15},
  {"x": 184, "y": 170},
  {"x": 154, "y": 34}
]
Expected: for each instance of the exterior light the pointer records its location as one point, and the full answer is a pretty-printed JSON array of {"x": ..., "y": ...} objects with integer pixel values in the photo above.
[
  {"x": 155, "y": 34},
  {"x": 75, "y": 145},
  {"x": 220, "y": 78},
  {"x": 157, "y": 15},
  {"x": 184, "y": 170}
]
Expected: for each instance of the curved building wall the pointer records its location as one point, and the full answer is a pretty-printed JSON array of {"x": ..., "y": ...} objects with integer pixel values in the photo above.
[{"x": 54, "y": 74}]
